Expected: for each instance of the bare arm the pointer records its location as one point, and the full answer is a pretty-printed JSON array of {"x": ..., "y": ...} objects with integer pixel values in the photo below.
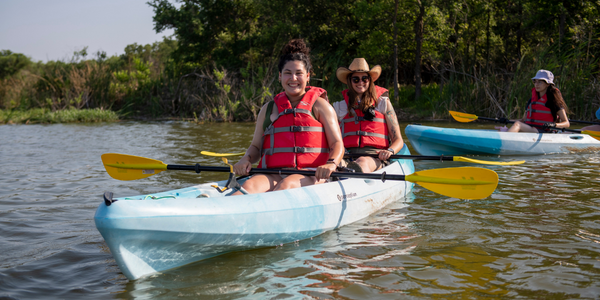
[
  {"x": 564, "y": 120},
  {"x": 391, "y": 119},
  {"x": 252, "y": 155},
  {"x": 325, "y": 114},
  {"x": 394, "y": 128}
]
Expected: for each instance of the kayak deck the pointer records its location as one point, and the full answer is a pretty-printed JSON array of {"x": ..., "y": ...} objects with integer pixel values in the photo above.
[{"x": 151, "y": 233}]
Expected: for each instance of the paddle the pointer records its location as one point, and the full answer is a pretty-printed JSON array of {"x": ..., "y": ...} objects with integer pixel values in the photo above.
[
  {"x": 208, "y": 153},
  {"x": 463, "y": 182},
  {"x": 465, "y": 118},
  {"x": 584, "y": 122},
  {"x": 417, "y": 157},
  {"x": 443, "y": 158}
]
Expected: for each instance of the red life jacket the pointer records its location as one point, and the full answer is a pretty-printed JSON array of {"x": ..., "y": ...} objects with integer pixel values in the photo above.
[
  {"x": 537, "y": 113},
  {"x": 358, "y": 132},
  {"x": 295, "y": 139}
]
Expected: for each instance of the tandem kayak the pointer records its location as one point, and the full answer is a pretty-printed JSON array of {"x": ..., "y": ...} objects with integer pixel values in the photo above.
[
  {"x": 428, "y": 140},
  {"x": 152, "y": 233}
]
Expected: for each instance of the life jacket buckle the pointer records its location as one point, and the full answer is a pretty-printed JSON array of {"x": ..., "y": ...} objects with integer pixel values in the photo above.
[
  {"x": 288, "y": 111},
  {"x": 299, "y": 149},
  {"x": 296, "y": 129}
]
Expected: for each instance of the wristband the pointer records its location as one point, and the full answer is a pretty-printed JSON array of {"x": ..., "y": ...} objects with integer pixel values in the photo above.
[
  {"x": 331, "y": 160},
  {"x": 391, "y": 150}
]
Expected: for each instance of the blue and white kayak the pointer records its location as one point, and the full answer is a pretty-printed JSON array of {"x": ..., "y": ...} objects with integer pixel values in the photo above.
[
  {"x": 428, "y": 140},
  {"x": 152, "y": 233}
]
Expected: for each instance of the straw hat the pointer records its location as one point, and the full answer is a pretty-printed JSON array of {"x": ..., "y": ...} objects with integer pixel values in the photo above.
[{"x": 358, "y": 65}]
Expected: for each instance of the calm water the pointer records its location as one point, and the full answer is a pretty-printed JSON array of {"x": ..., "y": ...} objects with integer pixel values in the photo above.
[{"x": 536, "y": 237}]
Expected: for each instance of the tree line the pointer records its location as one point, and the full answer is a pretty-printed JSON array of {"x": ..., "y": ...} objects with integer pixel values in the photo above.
[{"x": 437, "y": 55}]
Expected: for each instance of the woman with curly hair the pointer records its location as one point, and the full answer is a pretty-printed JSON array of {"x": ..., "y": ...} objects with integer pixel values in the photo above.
[{"x": 297, "y": 130}]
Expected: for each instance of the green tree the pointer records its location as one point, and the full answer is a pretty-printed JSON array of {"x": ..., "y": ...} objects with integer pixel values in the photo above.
[{"x": 11, "y": 63}]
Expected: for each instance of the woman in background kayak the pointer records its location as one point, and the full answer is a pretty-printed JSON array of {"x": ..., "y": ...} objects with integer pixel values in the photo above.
[
  {"x": 546, "y": 109},
  {"x": 593, "y": 127},
  {"x": 367, "y": 118},
  {"x": 297, "y": 130}
]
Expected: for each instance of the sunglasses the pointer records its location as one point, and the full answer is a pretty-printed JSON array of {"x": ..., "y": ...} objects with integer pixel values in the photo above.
[{"x": 356, "y": 79}]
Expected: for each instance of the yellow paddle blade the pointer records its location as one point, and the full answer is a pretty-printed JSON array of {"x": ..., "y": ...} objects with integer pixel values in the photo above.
[
  {"x": 463, "y": 117},
  {"x": 131, "y": 167},
  {"x": 594, "y": 134},
  {"x": 487, "y": 162},
  {"x": 208, "y": 153},
  {"x": 463, "y": 183}
]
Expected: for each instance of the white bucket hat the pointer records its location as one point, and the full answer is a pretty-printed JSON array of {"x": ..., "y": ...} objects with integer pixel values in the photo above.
[{"x": 544, "y": 75}]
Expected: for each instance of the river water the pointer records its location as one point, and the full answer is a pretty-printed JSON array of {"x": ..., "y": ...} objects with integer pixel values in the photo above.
[{"x": 536, "y": 237}]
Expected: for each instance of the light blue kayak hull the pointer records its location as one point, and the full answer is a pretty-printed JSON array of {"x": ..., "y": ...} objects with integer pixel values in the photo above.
[
  {"x": 428, "y": 140},
  {"x": 149, "y": 236}
]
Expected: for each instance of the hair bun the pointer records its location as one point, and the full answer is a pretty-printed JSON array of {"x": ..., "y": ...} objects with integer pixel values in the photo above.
[{"x": 296, "y": 46}]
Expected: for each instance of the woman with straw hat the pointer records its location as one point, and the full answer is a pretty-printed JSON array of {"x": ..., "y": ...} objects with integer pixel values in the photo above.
[
  {"x": 546, "y": 109},
  {"x": 367, "y": 118}
]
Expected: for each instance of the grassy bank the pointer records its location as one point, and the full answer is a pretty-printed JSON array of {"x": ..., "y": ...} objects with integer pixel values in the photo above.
[{"x": 45, "y": 116}]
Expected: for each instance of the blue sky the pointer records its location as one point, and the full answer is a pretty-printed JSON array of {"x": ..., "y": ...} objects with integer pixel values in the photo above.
[{"x": 54, "y": 29}]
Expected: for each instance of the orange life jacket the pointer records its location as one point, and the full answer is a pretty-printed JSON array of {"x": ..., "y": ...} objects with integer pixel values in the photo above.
[
  {"x": 537, "y": 113},
  {"x": 295, "y": 139},
  {"x": 358, "y": 132}
]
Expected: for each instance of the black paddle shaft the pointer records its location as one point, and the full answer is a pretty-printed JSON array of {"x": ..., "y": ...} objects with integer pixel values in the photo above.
[
  {"x": 584, "y": 122},
  {"x": 198, "y": 168},
  {"x": 538, "y": 126},
  {"x": 417, "y": 157},
  {"x": 494, "y": 120}
]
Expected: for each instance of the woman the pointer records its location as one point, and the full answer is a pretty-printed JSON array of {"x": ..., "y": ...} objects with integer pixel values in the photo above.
[
  {"x": 546, "y": 109},
  {"x": 593, "y": 127},
  {"x": 298, "y": 130},
  {"x": 367, "y": 118}
]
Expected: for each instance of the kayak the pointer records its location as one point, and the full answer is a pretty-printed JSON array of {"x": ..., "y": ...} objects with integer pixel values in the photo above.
[
  {"x": 147, "y": 234},
  {"x": 429, "y": 140}
]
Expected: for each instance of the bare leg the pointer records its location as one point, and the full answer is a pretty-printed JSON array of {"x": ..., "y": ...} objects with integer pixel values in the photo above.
[
  {"x": 591, "y": 128},
  {"x": 260, "y": 183},
  {"x": 296, "y": 181},
  {"x": 368, "y": 164},
  {"x": 519, "y": 126}
]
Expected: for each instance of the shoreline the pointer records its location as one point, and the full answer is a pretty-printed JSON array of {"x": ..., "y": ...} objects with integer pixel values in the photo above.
[{"x": 72, "y": 115}]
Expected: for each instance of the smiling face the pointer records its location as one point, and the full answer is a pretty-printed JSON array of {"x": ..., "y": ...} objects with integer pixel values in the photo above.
[
  {"x": 359, "y": 85},
  {"x": 294, "y": 78},
  {"x": 540, "y": 86}
]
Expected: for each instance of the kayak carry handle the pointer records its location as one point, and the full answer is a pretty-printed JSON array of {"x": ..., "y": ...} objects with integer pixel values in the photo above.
[{"x": 108, "y": 198}]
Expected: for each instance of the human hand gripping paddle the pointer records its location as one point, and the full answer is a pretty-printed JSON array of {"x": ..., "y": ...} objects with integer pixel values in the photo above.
[
  {"x": 416, "y": 157},
  {"x": 463, "y": 182},
  {"x": 465, "y": 118}
]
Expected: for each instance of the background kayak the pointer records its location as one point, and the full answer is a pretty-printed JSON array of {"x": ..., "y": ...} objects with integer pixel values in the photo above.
[{"x": 429, "y": 140}]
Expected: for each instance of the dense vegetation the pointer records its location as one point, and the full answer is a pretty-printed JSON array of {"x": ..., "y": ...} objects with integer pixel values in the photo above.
[{"x": 471, "y": 55}]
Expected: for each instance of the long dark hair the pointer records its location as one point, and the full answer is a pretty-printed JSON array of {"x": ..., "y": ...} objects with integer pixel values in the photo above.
[
  {"x": 369, "y": 98},
  {"x": 555, "y": 101},
  {"x": 295, "y": 50}
]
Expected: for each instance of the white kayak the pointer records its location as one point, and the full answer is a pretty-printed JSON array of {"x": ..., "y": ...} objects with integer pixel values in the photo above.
[
  {"x": 428, "y": 140},
  {"x": 152, "y": 233}
]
